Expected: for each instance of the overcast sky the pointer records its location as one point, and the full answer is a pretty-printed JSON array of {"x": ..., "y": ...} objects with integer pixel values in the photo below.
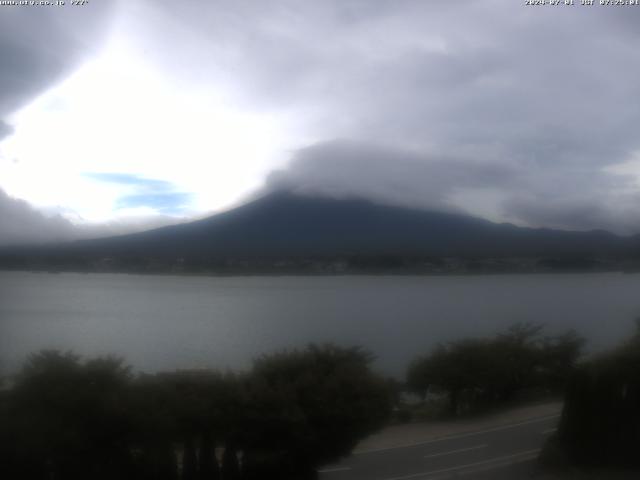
[{"x": 124, "y": 113}]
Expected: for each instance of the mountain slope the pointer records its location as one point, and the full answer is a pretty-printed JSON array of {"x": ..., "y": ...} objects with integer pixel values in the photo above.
[{"x": 286, "y": 225}]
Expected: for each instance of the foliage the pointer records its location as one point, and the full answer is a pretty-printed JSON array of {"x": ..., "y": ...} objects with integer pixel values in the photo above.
[
  {"x": 480, "y": 372},
  {"x": 312, "y": 406},
  {"x": 69, "y": 419},
  {"x": 65, "y": 419},
  {"x": 600, "y": 424}
]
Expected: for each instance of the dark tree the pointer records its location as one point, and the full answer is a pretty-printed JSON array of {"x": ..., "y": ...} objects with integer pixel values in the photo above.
[
  {"x": 66, "y": 419},
  {"x": 189, "y": 460},
  {"x": 311, "y": 407},
  {"x": 230, "y": 465},
  {"x": 208, "y": 468},
  {"x": 560, "y": 356},
  {"x": 600, "y": 423},
  {"x": 70, "y": 418},
  {"x": 477, "y": 373}
]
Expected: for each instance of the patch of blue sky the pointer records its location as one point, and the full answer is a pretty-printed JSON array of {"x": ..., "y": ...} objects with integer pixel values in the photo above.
[
  {"x": 167, "y": 203},
  {"x": 133, "y": 180}
]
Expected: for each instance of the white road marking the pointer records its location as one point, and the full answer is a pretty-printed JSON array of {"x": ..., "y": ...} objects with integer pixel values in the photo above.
[
  {"x": 336, "y": 469},
  {"x": 468, "y": 449},
  {"x": 460, "y": 435},
  {"x": 497, "y": 461},
  {"x": 548, "y": 431},
  {"x": 499, "y": 464}
]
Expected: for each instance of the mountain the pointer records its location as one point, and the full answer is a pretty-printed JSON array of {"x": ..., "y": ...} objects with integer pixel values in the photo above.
[{"x": 288, "y": 226}]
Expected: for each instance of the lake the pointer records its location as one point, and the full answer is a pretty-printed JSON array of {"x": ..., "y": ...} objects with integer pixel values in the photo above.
[{"x": 169, "y": 322}]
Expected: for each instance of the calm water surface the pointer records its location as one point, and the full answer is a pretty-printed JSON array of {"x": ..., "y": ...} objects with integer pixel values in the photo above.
[{"x": 168, "y": 322}]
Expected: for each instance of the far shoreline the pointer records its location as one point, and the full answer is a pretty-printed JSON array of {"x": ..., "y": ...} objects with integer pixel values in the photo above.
[{"x": 307, "y": 274}]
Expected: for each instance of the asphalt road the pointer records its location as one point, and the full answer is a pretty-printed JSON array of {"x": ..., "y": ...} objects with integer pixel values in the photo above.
[{"x": 501, "y": 453}]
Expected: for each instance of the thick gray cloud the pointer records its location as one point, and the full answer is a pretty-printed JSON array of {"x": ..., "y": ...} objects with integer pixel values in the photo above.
[
  {"x": 344, "y": 168},
  {"x": 546, "y": 93},
  {"x": 567, "y": 197},
  {"x": 512, "y": 112},
  {"x": 20, "y": 223},
  {"x": 38, "y": 45}
]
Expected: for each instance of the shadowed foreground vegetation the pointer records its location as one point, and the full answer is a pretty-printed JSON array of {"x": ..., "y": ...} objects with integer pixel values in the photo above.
[
  {"x": 68, "y": 419},
  {"x": 600, "y": 423},
  {"x": 479, "y": 373},
  {"x": 65, "y": 419}
]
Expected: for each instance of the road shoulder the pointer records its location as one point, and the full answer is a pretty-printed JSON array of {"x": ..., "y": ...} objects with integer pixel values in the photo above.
[{"x": 398, "y": 436}]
